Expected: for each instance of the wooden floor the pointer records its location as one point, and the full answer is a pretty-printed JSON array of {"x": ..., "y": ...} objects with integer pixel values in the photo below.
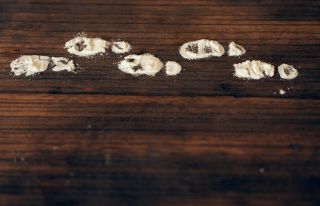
[{"x": 204, "y": 137}]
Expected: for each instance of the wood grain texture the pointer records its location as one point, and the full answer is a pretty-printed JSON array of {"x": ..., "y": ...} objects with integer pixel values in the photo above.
[{"x": 102, "y": 137}]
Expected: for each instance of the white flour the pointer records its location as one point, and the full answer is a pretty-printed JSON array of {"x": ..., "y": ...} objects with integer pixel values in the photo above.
[
  {"x": 282, "y": 92},
  {"x": 129, "y": 64},
  {"x": 172, "y": 68},
  {"x": 120, "y": 47},
  {"x": 32, "y": 64},
  {"x": 147, "y": 64},
  {"x": 253, "y": 70},
  {"x": 141, "y": 64},
  {"x": 236, "y": 49},
  {"x": 85, "y": 47},
  {"x": 287, "y": 71},
  {"x": 61, "y": 63},
  {"x": 29, "y": 64},
  {"x": 201, "y": 49}
]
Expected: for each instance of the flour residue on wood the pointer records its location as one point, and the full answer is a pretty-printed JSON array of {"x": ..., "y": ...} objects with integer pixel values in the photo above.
[
  {"x": 201, "y": 49},
  {"x": 148, "y": 64},
  {"x": 29, "y": 65},
  {"x": 62, "y": 63},
  {"x": 282, "y": 92},
  {"x": 254, "y": 69},
  {"x": 287, "y": 71},
  {"x": 236, "y": 50},
  {"x": 84, "y": 46},
  {"x": 145, "y": 64},
  {"x": 32, "y": 64},
  {"x": 120, "y": 47},
  {"x": 172, "y": 68}
]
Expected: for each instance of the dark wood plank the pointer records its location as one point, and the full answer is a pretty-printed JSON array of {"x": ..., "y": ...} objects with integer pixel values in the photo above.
[
  {"x": 134, "y": 150},
  {"x": 101, "y": 137}
]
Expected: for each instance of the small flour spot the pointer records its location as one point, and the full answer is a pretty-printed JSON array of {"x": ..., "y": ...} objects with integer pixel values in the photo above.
[
  {"x": 61, "y": 63},
  {"x": 120, "y": 47},
  {"x": 282, "y": 92},
  {"x": 287, "y": 72},
  {"x": 29, "y": 65},
  {"x": 89, "y": 126},
  {"x": 136, "y": 65},
  {"x": 201, "y": 49},
  {"x": 236, "y": 49},
  {"x": 172, "y": 68},
  {"x": 253, "y": 70}
]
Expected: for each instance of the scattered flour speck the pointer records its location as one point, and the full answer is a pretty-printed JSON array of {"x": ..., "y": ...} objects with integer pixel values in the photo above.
[{"x": 282, "y": 92}]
